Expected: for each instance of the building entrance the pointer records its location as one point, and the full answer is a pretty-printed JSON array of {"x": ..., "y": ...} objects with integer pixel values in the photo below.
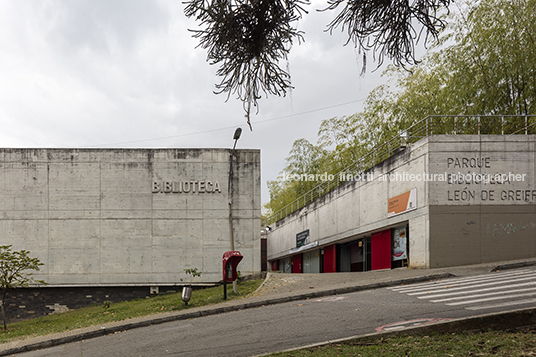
[{"x": 354, "y": 255}]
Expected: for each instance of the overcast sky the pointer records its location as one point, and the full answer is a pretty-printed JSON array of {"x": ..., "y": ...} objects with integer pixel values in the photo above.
[{"x": 125, "y": 73}]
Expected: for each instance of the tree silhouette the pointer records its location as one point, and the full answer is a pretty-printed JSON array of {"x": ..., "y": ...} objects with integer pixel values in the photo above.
[{"x": 248, "y": 38}]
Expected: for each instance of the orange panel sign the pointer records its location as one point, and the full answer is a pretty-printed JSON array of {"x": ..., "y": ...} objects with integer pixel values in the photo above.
[{"x": 402, "y": 203}]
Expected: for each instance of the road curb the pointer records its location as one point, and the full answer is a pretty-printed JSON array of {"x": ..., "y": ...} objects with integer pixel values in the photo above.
[
  {"x": 514, "y": 265},
  {"x": 497, "y": 321},
  {"x": 214, "y": 311}
]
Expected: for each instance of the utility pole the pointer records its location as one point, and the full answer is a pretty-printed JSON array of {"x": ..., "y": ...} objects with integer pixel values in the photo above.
[{"x": 236, "y": 136}]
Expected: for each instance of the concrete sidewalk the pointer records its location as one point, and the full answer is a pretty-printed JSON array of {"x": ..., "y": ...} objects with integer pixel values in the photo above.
[{"x": 277, "y": 288}]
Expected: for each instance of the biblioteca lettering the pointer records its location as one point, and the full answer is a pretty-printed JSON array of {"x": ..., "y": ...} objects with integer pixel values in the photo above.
[{"x": 186, "y": 186}]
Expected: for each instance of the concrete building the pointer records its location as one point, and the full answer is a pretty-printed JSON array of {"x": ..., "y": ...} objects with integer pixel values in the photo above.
[
  {"x": 441, "y": 201},
  {"x": 134, "y": 219}
]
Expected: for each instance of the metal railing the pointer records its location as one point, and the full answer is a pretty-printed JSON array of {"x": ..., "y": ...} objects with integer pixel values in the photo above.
[{"x": 431, "y": 125}]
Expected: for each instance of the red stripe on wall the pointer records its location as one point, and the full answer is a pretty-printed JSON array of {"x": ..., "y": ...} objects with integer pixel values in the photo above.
[{"x": 380, "y": 250}]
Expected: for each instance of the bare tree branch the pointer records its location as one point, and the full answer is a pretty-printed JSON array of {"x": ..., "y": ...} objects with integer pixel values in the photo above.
[
  {"x": 387, "y": 26},
  {"x": 248, "y": 39}
]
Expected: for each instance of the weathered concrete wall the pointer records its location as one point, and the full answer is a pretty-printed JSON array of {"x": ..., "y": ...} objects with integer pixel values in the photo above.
[
  {"x": 107, "y": 217},
  {"x": 483, "y": 170},
  {"x": 358, "y": 208},
  {"x": 486, "y": 210},
  {"x": 476, "y": 202}
]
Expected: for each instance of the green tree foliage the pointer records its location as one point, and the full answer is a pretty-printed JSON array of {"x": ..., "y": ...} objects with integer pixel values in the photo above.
[
  {"x": 483, "y": 64},
  {"x": 341, "y": 142},
  {"x": 336, "y": 136},
  {"x": 492, "y": 68},
  {"x": 488, "y": 68},
  {"x": 14, "y": 266},
  {"x": 248, "y": 38},
  {"x": 304, "y": 158}
]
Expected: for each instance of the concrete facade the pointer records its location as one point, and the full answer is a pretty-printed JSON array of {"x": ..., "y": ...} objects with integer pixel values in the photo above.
[
  {"x": 474, "y": 196},
  {"x": 119, "y": 217},
  {"x": 474, "y": 221}
]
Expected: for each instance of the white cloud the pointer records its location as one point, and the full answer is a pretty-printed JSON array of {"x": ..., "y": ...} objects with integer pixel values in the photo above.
[{"x": 122, "y": 73}]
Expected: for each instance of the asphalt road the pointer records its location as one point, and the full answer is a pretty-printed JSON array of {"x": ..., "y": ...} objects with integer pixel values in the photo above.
[{"x": 278, "y": 327}]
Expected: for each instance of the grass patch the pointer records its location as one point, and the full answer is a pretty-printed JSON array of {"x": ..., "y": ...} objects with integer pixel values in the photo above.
[
  {"x": 97, "y": 315},
  {"x": 492, "y": 343}
]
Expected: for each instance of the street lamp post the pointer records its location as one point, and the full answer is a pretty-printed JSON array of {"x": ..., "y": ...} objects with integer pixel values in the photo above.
[{"x": 236, "y": 136}]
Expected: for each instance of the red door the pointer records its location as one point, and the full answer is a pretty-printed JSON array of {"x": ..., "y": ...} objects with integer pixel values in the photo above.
[
  {"x": 296, "y": 263},
  {"x": 330, "y": 259},
  {"x": 380, "y": 250},
  {"x": 275, "y": 265}
]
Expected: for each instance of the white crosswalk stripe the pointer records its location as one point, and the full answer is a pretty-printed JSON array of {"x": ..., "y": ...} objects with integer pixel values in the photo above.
[{"x": 480, "y": 292}]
